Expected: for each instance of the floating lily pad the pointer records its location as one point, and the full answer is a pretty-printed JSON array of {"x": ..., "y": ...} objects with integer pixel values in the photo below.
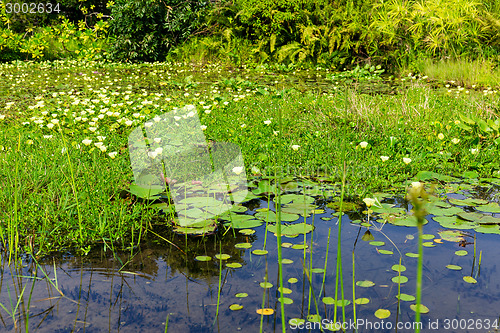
[
  {"x": 453, "y": 222},
  {"x": 454, "y": 267},
  {"x": 272, "y": 216},
  {"x": 427, "y": 236},
  {"x": 286, "y": 245},
  {"x": 241, "y": 295},
  {"x": 286, "y": 300},
  {"x": 266, "y": 285},
  {"x": 406, "y": 297},
  {"x": 398, "y": 268},
  {"x": 412, "y": 255},
  {"x": 317, "y": 270},
  {"x": 247, "y": 231},
  {"x": 377, "y": 243},
  {"x": 405, "y": 221},
  {"x": 400, "y": 279},
  {"x": 469, "y": 279},
  {"x": 236, "y": 307},
  {"x": 260, "y": 252},
  {"x": 385, "y": 252},
  {"x": 285, "y": 290},
  {"x": 388, "y": 209},
  {"x": 292, "y": 229},
  {"x": 287, "y": 198},
  {"x": 328, "y": 300},
  {"x": 423, "y": 308},
  {"x": 241, "y": 221},
  {"x": 451, "y": 235},
  {"x": 243, "y": 245},
  {"x": 265, "y": 312},
  {"x": 362, "y": 301},
  {"x": 315, "y": 318},
  {"x": 234, "y": 265},
  {"x": 293, "y": 280},
  {"x": 222, "y": 256},
  {"x": 203, "y": 258},
  {"x": 382, "y": 313},
  {"x": 300, "y": 246},
  {"x": 461, "y": 253},
  {"x": 365, "y": 283},
  {"x": 467, "y": 202},
  {"x": 287, "y": 261},
  {"x": 428, "y": 244}
]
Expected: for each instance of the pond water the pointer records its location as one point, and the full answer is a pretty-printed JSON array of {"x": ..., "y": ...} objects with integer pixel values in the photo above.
[{"x": 121, "y": 293}]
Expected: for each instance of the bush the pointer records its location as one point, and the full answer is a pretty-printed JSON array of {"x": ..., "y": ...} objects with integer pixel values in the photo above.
[{"x": 146, "y": 30}]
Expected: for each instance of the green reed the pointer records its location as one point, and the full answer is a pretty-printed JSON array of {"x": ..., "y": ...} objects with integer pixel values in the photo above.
[{"x": 418, "y": 196}]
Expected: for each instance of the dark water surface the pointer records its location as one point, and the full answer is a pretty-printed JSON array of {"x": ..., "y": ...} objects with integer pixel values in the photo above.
[{"x": 159, "y": 280}]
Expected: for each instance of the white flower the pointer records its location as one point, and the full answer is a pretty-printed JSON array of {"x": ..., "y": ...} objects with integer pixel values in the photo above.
[
  {"x": 416, "y": 185},
  {"x": 177, "y": 118},
  {"x": 440, "y": 136},
  {"x": 191, "y": 114},
  {"x": 369, "y": 201},
  {"x": 226, "y": 103},
  {"x": 474, "y": 150},
  {"x": 267, "y": 122},
  {"x": 243, "y": 125},
  {"x": 92, "y": 129},
  {"x": 406, "y": 160},
  {"x": 86, "y": 142},
  {"x": 2, "y": 116},
  {"x": 113, "y": 154},
  {"x": 158, "y": 151},
  {"x": 157, "y": 119},
  {"x": 136, "y": 115},
  {"x": 98, "y": 144},
  {"x": 47, "y": 136},
  {"x": 102, "y": 148},
  {"x": 208, "y": 111},
  {"x": 384, "y": 158},
  {"x": 129, "y": 122},
  {"x": 363, "y": 144},
  {"x": 101, "y": 138},
  {"x": 276, "y": 132},
  {"x": 157, "y": 140},
  {"x": 238, "y": 170},
  {"x": 295, "y": 147},
  {"x": 190, "y": 107},
  {"x": 50, "y": 125},
  {"x": 152, "y": 154},
  {"x": 203, "y": 127},
  {"x": 455, "y": 140},
  {"x": 148, "y": 124}
]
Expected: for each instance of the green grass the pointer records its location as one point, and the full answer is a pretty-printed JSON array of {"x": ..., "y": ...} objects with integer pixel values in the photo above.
[
  {"x": 71, "y": 195},
  {"x": 480, "y": 73}
]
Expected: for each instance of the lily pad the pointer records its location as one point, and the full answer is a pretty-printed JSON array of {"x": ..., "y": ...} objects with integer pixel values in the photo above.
[
  {"x": 146, "y": 192},
  {"x": 203, "y": 258},
  {"x": 406, "y": 297},
  {"x": 377, "y": 243},
  {"x": 423, "y": 308},
  {"x": 398, "y": 268},
  {"x": 242, "y": 221},
  {"x": 329, "y": 300},
  {"x": 241, "y": 295},
  {"x": 412, "y": 255},
  {"x": 454, "y": 267},
  {"x": 234, "y": 265},
  {"x": 265, "y": 312},
  {"x": 292, "y": 229},
  {"x": 365, "y": 283},
  {"x": 469, "y": 279},
  {"x": 285, "y": 290},
  {"x": 236, "y": 307},
  {"x": 287, "y": 261},
  {"x": 461, "y": 253},
  {"x": 385, "y": 252},
  {"x": 286, "y": 300},
  {"x": 260, "y": 252},
  {"x": 362, "y": 301},
  {"x": 287, "y": 198},
  {"x": 382, "y": 313},
  {"x": 243, "y": 245},
  {"x": 451, "y": 235},
  {"x": 266, "y": 285},
  {"x": 222, "y": 256},
  {"x": 400, "y": 279},
  {"x": 272, "y": 216}
]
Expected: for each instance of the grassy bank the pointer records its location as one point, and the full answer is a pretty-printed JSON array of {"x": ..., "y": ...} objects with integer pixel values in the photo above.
[{"x": 65, "y": 169}]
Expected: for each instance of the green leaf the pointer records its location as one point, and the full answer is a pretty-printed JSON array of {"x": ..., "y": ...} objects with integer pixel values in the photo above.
[
  {"x": 365, "y": 283},
  {"x": 454, "y": 267},
  {"x": 260, "y": 252},
  {"x": 398, "y": 268},
  {"x": 423, "y": 308},
  {"x": 469, "y": 279},
  {"x": 377, "y": 243},
  {"x": 385, "y": 252},
  {"x": 241, "y": 295},
  {"x": 222, "y": 256},
  {"x": 146, "y": 192},
  {"x": 382, "y": 313},
  {"x": 362, "y": 300},
  {"x": 234, "y": 265},
  {"x": 292, "y": 229},
  {"x": 406, "y": 297},
  {"x": 399, "y": 279},
  {"x": 243, "y": 245},
  {"x": 203, "y": 258},
  {"x": 266, "y": 285},
  {"x": 461, "y": 253},
  {"x": 235, "y": 307}
]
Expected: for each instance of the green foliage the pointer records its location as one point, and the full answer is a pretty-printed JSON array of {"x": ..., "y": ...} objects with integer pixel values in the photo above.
[{"x": 147, "y": 29}]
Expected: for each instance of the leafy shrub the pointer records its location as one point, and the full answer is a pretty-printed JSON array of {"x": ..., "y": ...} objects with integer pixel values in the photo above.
[{"x": 147, "y": 29}]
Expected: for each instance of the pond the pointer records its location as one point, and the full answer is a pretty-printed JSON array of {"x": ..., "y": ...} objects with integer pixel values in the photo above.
[{"x": 168, "y": 280}]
